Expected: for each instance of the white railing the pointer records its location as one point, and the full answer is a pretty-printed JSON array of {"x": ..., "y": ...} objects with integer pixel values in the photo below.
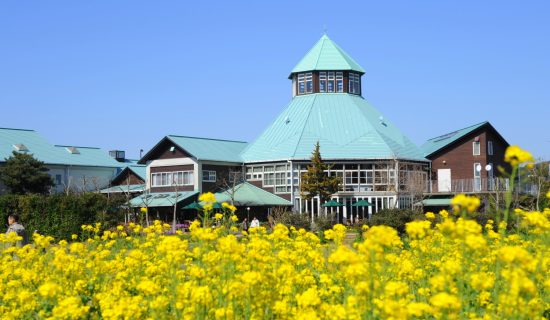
[{"x": 470, "y": 185}]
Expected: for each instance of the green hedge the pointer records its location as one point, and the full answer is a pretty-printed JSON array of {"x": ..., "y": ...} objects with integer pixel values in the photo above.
[{"x": 61, "y": 215}]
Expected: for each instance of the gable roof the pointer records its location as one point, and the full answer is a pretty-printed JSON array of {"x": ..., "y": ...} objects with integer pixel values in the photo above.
[
  {"x": 435, "y": 144},
  {"x": 247, "y": 194},
  {"x": 139, "y": 170},
  {"x": 204, "y": 148},
  {"x": 42, "y": 150},
  {"x": 346, "y": 126},
  {"x": 327, "y": 55}
]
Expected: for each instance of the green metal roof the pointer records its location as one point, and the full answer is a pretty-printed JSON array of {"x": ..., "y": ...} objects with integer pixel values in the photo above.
[
  {"x": 124, "y": 188},
  {"x": 436, "y": 202},
  {"x": 139, "y": 170},
  {"x": 248, "y": 195},
  {"x": 41, "y": 149},
  {"x": 160, "y": 199},
  {"x": 210, "y": 149},
  {"x": 326, "y": 55},
  {"x": 346, "y": 126},
  {"x": 438, "y": 143},
  {"x": 88, "y": 156}
]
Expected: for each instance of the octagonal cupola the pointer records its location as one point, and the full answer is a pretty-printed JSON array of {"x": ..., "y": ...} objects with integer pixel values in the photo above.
[{"x": 326, "y": 68}]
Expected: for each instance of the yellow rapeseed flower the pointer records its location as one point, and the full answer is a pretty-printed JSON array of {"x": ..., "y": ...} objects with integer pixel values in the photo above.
[
  {"x": 463, "y": 202},
  {"x": 515, "y": 156},
  {"x": 207, "y": 197}
]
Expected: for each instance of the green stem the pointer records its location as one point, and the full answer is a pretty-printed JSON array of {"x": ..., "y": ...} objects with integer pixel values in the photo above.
[{"x": 509, "y": 199}]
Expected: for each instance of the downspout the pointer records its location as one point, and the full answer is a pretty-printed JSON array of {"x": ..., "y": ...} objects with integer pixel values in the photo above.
[{"x": 431, "y": 183}]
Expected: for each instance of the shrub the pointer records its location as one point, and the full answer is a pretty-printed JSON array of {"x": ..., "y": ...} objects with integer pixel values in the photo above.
[
  {"x": 62, "y": 215},
  {"x": 289, "y": 218},
  {"x": 395, "y": 218}
]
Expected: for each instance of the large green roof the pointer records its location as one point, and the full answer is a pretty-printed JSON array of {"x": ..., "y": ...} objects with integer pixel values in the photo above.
[
  {"x": 435, "y": 144},
  {"x": 41, "y": 149},
  {"x": 210, "y": 149},
  {"x": 346, "y": 126},
  {"x": 247, "y": 194},
  {"x": 327, "y": 55}
]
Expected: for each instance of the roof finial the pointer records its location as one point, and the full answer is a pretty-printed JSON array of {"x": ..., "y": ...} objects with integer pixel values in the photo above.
[{"x": 324, "y": 29}]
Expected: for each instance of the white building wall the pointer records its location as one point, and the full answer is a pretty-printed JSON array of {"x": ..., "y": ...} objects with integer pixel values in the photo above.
[{"x": 81, "y": 179}]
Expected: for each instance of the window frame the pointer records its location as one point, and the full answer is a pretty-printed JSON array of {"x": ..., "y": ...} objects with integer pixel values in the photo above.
[
  {"x": 301, "y": 83},
  {"x": 478, "y": 144},
  {"x": 166, "y": 178},
  {"x": 490, "y": 150},
  {"x": 323, "y": 81},
  {"x": 309, "y": 82},
  {"x": 209, "y": 175}
]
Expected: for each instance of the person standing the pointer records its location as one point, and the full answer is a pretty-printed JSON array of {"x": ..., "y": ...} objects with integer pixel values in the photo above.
[
  {"x": 255, "y": 223},
  {"x": 245, "y": 224},
  {"x": 15, "y": 226}
]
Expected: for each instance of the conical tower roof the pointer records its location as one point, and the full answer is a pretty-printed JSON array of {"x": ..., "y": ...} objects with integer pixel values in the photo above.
[
  {"x": 326, "y": 55},
  {"x": 346, "y": 126}
]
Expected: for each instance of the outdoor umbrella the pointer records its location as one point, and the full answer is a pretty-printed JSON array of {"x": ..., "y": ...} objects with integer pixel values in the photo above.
[
  {"x": 216, "y": 205},
  {"x": 362, "y": 203},
  {"x": 332, "y": 203},
  {"x": 193, "y": 205}
]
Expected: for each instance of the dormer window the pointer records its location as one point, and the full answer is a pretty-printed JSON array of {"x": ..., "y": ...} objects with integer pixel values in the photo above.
[{"x": 20, "y": 147}]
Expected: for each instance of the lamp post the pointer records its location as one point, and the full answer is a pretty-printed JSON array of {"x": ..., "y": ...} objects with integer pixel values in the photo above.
[{"x": 248, "y": 214}]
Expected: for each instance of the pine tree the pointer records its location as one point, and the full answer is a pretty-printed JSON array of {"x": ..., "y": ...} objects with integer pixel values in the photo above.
[
  {"x": 22, "y": 173},
  {"x": 316, "y": 181}
]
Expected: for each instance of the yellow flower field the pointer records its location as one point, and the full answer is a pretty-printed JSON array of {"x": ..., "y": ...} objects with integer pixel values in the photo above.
[
  {"x": 454, "y": 269},
  {"x": 446, "y": 267}
]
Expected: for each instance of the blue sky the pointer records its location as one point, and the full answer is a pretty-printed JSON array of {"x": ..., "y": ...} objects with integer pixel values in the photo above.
[{"x": 123, "y": 74}]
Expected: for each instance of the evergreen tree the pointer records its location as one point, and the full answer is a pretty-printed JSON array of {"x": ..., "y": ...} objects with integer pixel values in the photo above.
[
  {"x": 23, "y": 174},
  {"x": 316, "y": 182}
]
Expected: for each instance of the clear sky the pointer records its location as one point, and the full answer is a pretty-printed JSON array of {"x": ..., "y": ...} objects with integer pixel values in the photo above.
[{"x": 123, "y": 74}]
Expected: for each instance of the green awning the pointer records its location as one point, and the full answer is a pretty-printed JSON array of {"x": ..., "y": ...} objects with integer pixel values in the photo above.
[
  {"x": 445, "y": 202},
  {"x": 332, "y": 203},
  {"x": 124, "y": 189},
  {"x": 193, "y": 205},
  {"x": 362, "y": 203},
  {"x": 160, "y": 199}
]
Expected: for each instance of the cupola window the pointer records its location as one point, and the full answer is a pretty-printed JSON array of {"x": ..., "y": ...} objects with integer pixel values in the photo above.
[
  {"x": 309, "y": 82},
  {"x": 331, "y": 81},
  {"x": 339, "y": 82},
  {"x": 322, "y": 82},
  {"x": 301, "y": 84},
  {"x": 354, "y": 83}
]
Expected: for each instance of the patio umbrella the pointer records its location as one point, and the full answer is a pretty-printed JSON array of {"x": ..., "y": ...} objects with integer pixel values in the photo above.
[
  {"x": 216, "y": 205},
  {"x": 362, "y": 203},
  {"x": 332, "y": 203},
  {"x": 193, "y": 205}
]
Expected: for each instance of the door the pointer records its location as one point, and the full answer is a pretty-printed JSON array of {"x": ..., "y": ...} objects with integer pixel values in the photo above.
[{"x": 444, "y": 180}]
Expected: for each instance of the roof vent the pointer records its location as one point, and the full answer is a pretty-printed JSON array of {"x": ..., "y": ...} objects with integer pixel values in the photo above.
[
  {"x": 20, "y": 147},
  {"x": 72, "y": 150},
  {"x": 119, "y": 155},
  {"x": 287, "y": 120}
]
